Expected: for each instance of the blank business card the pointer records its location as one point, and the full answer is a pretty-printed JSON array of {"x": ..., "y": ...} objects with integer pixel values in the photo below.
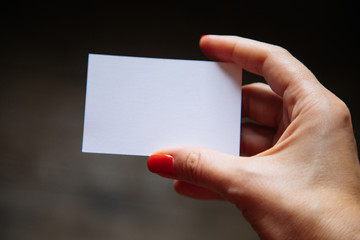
[{"x": 135, "y": 105}]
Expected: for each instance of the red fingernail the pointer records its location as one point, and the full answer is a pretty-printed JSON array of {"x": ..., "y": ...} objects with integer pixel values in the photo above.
[
  {"x": 203, "y": 35},
  {"x": 161, "y": 164}
]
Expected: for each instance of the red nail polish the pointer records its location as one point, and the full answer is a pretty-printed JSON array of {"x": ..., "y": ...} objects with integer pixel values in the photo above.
[
  {"x": 203, "y": 35},
  {"x": 161, "y": 164}
]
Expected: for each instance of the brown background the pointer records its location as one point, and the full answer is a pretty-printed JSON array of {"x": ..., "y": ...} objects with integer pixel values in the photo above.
[{"x": 50, "y": 190}]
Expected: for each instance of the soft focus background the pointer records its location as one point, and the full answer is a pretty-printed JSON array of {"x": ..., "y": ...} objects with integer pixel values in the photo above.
[{"x": 50, "y": 190}]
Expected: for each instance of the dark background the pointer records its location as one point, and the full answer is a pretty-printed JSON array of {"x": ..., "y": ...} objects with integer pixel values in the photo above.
[{"x": 50, "y": 190}]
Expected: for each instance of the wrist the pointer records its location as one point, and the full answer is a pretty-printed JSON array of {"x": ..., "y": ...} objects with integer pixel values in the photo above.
[
  {"x": 332, "y": 219},
  {"x": 343, "y": 223}
]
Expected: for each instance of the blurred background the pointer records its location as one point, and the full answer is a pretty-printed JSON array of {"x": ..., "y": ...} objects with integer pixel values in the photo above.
[{"x": 49, "y": 189}]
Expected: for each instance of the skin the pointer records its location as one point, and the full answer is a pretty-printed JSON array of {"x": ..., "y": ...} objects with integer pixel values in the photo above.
[{"x": 300, "y": 178}]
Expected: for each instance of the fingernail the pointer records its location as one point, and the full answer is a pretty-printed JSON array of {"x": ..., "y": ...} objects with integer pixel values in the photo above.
[
  {"x": 161, "y": 164},
  {"x": 203, "y": 35}
]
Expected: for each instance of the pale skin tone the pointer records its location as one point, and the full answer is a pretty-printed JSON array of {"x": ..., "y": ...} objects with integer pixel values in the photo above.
[{"x": 300, "y": 178}]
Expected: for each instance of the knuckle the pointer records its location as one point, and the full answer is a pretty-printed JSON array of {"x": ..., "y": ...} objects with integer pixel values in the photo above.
[
  {"x": 342, "y": 113},
  {"x": 334, "y": 111},
  {"x": 192, "y": 165},
  {"x": 272, "y": 53},
  {"x": 277, "y": 50}
]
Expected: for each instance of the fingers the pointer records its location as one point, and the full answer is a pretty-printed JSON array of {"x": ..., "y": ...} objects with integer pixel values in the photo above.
[
  {"x": 197, "y": 166},
  {"x": 249, "y": 54},
  {"x": 286, "y": 76},
  {"x": 193, "y": 191},
  {"x": 255, "y": 139},
  {"x": 261, "y": 104}
]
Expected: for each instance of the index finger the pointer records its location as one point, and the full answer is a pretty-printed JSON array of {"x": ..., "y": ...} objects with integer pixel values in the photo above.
[{"x": 279, "y": 68}]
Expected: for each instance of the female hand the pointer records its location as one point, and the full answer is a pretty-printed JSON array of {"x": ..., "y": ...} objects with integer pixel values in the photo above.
[{"x": 302, "y": 177}]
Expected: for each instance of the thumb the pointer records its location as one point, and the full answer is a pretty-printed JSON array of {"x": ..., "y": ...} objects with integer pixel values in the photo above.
[{"x": 198, "y": 166}]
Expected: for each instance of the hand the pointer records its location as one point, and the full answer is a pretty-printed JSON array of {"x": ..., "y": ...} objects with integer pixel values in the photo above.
[{"x": 302, "y": 177}]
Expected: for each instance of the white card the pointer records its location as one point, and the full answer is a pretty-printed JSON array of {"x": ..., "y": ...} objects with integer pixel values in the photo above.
[{"x": 135, "y": 106}]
